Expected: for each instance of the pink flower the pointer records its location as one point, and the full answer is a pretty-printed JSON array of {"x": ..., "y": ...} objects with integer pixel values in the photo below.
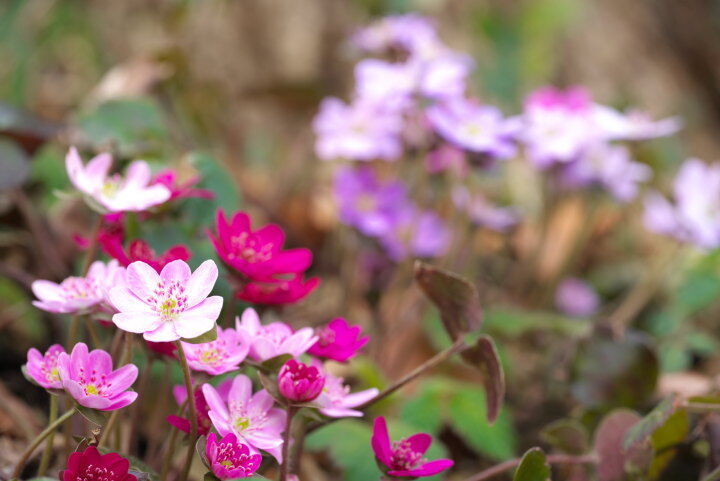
[
  {"x": 89, "y": 378},
  {"x": 299, "y": 382},
  {"x": 203, "y": 420},
  {"x": 251, "y": 417},
  {"x": 219, "y": 356},
  {"x": 78, "y": 294},
  {"x": 230, "y": 459},
  {"x": 257, "y": 255},
  {"x": 280, "y": 292},
  {"x": 338, "y": 341},
  {"x": 114, "y": 193},
  {"x": 139, "y": 250},
  {"x": 180, "y": 190},
  {"x": 404, "y": 458},
  {"x": 44, "y": 368},
  {"x": 576, "y": 297},
  {"x": 90, "y": 465},
  {"x": 336, "y": 400},
  {"x": 167, "y": 306},
  {"x": 273, "y": 339}
]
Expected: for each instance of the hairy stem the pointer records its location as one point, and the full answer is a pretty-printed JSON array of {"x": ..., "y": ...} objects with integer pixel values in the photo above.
[
  {"x": 291, "y": 411},
  {"x": 47, "y": 453},
  {"x": 39, "y": 439},
  {"x": 192, "y": 409},
  {"x": 551, "y": 459}
]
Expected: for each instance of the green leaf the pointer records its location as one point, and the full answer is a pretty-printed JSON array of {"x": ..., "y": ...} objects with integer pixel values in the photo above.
[
  {"x": 92, "y": 415},
  {"x": 533, "y": 467},
  {"x": 640, "y": 432},
  {"x": 210, "y": 477},
  {"x": 484, "y": 356},
  {"x": 667, "y": 439},
  {"x": 209, "y": 336},
  {"x": 567, "y": 435},
  {"x": 275, "y": 363},
  {"x": 214, "y": 177},
  {"x": 455, "y": 297}
]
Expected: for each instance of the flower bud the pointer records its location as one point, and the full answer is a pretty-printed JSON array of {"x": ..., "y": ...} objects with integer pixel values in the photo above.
[{"x": 299, "y": 382}]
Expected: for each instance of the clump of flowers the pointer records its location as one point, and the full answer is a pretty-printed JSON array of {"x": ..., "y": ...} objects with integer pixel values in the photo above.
[
  {"x": 274, "y": 339},
  {"x": 300, "y": 383},
  {"x": 88, "y": 377},
  {"x": 404, "y": 458},
  {"x": 167, "y": 306},
  {"x": 338, "y": 341},
  {"x": 90, "y": 465},
  {"x": 43, "y": 368},
  {"x": 229, "y": 459}
]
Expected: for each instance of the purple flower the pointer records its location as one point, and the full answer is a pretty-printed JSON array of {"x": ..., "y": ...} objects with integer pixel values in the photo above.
[
  {"x": 300, "y": 383},
  {"x": 575, "y": 297},
  {"x": 251, "y": 417},
  {"x": 338, "y": 341},
  {"x": 360, "y": 131},
  {"x": 219, "y": 356},
  {"x": 365, "y": 202},
  {"x": 695, "y": 215},
  {"x": 447, "y": 157},
  {"x": 415, "y": 232},
  {"x": 336, "y": 400},
  {"x": 273, "y": 339},
  {"x": 230, "y": 459},
  {"x": 167, "y": 306},
  {"x": 634, "y": 125},
  {"x": 410, "y": 32},
  {"x": 44, "y": 368},
  {"x": 404, "y": 458},
  {"x": 477, "y": 128},
  {"x": 89, "y": 378}
]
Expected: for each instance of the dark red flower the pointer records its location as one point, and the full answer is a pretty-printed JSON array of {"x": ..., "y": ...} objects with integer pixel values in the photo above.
[
  {"x": 90, "y": 465},
  {"x": 139, "y": 250},
  {"x": 278, "y": 292}
]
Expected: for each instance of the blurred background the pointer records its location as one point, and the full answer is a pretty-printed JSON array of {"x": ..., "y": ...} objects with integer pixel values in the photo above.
[{"x": 229, "y": 88}]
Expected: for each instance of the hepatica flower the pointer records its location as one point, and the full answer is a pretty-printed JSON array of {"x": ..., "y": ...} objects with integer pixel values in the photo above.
[
  {"x": 90, "y": 379},
  {"x": 114, "y": 193},
  {"x": 78, "y": 294},
  {"x": 167, "y": 306},
  {"x": 256, "y": 254},
  {"x": 219, "y": 356},
  {"x": 336, "y": 400},
  {"x": 404, "y": 458},
  {"x": 43, "y": 368},
  {"x": 90, "y": 465},
  {"x": 230, "y": 459},
  {"x": 416, "y": 233},
  {"x": 338, "y": 341},
  {"x": 575, "y": 297},
  {"x": 285, "y": 290},
  {"x": 203, "y": 419},
  {"x": 298, "y": 382},
  {"x": 273, "y": 339},
  {"x": 251, "y": 417},
  {"x": 139, "y": 250}
]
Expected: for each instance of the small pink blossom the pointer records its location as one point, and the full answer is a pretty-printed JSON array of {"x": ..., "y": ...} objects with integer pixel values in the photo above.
[
  {"x": 89, "y": 378},
  {"x": 44, "y": 368},
  {"x": 280, "y": 292},
  {"x": 219, "y": 356},
  {"x": 404, "y": 458},
  {"x": 251, "y": 417},
  {"x": 167, "y": 306},
  {"x": 576, "y": 297},
  {"x": 79, "y": 294},
  {"x": 230, "y": 459},
  {"x": 115, "y": 193},
  {"x": 274, "y": 339},
  {"x": 336, "y": 400},
  {"x": 338, "y": 341},
  {"x": 180, "y": 190},
  {"x": 299, "y": 382}
]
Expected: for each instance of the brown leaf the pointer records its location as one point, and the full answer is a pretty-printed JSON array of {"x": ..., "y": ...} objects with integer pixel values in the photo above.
[
  {"x": 484, "y": 356},
  {"x": 614, "y": 460}
]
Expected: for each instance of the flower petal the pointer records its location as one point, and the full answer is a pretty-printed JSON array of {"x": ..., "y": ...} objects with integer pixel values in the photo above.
[
  {"x": 142, "y": 280},
  {"x": 201, "y": 282}
]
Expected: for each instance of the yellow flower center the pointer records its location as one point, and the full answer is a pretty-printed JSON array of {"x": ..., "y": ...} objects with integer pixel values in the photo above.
[{"x": 91, "y": 390}]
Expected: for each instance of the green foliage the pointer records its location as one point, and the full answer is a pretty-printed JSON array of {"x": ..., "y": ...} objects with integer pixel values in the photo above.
[
  {"x": 566, "y": 435},
  {"x": 533, "y": 467},
  {"x": 215, "y": 177},
  {"x": 462, "y": 407}
]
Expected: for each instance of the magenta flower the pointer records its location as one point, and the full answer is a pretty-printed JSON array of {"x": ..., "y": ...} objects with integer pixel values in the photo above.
[
  {"x": 338, "y": 341},
  {"x": 274, "y": 339},
  {"x": 90, "y": 465},
  {"x": 43, "y": 369},
  {"x": 230, "y": 459},
  {"x": 404, "y": 458},
  {"x": 299, "y": 382},
  {"x": 78, "y": 294},
  {"x": 167, "y": 306},
  {"x": 219, "y": 356},
  {"x": 279, "y": 292},
  {"x": 251, "y": 417},
  {"x": 139, "y": 250},
  {"x": 89, "y": 378},
  {"x": 256, "y": 254},
  {"x": 162, "y": 348},
  {"x": 576, "y": 297},
  {"x": 114, "y": 193},
  {"x": 180, "y": 190},
  {"x": 336, "y": 400}
]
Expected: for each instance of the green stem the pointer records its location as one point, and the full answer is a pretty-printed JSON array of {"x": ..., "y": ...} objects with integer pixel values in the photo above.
[
  {"x": 39, "y": 439},
  {"x": 45, "y": 460},
  {"x": 291, "y": 411},
  {"x": 192, "y": 409},
  {"x": 108, "y": 427}
]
